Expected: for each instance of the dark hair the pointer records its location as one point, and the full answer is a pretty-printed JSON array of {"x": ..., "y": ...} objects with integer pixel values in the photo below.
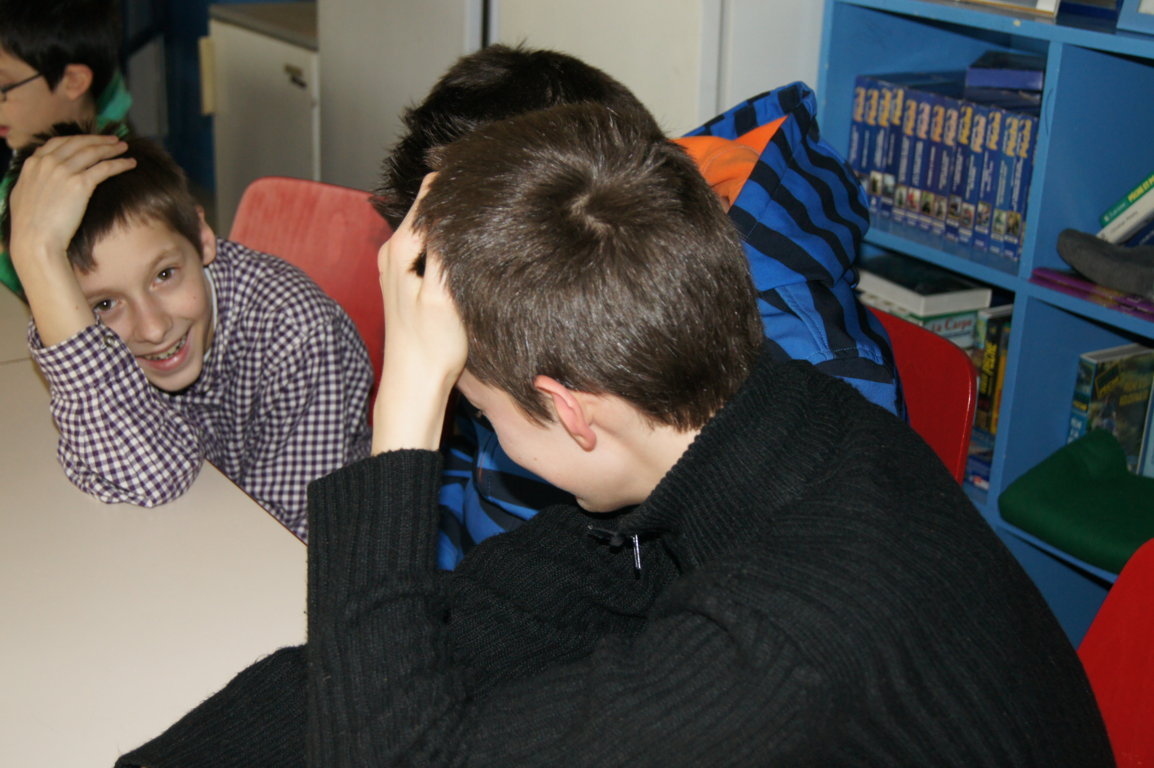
[
  {"x": 155, "y": 190},
  {"x": 580, "y": 244},
  {"x": 494, "y": 83},
  {"x": 51, "y": 34}
]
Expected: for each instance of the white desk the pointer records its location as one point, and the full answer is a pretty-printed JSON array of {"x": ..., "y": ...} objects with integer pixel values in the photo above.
[
  {"x": 116, "y": 620},
  {"x": 13, "y": 327}
]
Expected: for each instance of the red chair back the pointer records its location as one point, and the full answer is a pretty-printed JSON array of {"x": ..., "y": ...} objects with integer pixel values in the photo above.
[
  {"x": 940, "y": 388},
  {"x": 1119, "y": 660},
  {"x": 332, "y": 233}
]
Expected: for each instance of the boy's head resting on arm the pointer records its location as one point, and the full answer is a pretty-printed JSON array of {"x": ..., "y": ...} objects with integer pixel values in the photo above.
[
  {"x": 589, "y": 259},
  {"x": 66, "y": 50},
  {"x": 139, "y": 256},
  {"x": 495, "y": 83}
]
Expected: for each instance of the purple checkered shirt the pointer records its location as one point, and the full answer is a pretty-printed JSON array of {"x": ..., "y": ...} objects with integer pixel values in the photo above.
[{"x": 282, "y": 399}]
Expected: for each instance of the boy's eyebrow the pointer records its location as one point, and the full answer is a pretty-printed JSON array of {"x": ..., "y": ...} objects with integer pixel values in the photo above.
[
  {"x": 152, "y": 264},
  {"x": 418, "y": 267}
]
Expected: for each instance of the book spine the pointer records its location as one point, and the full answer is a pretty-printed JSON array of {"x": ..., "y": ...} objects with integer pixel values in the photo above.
[
  {"x": 972, "y": 186},
  {"x": 905, "y": 203},
  {"x": 920, "y": 170},
  {"x": 958, "y": 169},
  {"x": 1005, "y": 173},
  {"x": 1023, "y": 171},
  {"x": 1000, "y": 375},
  {"x": 1115, "y": 210},
  {"x": 892, "y": 146},
  {"x": 988, "y": 374},
  {"x": 942, "y": 178},
  {"x": 1131, "y": 220},
  {"x": 988, "y": 186},
  {"x": 1080, "y": 404},
  {"x": 857, "y": 155},
  {"x": 935, "y": 149}
]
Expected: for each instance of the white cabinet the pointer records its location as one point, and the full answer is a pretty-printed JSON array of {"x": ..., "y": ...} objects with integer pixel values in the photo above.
[{"x": 264, "y": 97}]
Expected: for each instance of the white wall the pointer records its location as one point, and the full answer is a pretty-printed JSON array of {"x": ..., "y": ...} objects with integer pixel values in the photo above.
[
  {"x": 686, "y": 59},
  {"x": 376, "y": 58}
]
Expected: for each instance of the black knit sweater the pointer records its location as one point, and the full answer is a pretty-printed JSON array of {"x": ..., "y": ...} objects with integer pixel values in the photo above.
[{"x": 814, "y": 589}]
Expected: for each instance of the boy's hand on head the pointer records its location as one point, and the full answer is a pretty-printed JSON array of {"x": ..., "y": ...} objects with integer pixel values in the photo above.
[
  {"x": 425, "y": 345},
  {"x": 46, "y": 207},
  {"x": 49, "y": 199}
]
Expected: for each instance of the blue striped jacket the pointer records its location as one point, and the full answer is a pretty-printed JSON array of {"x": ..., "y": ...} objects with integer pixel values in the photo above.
[{"x": 802, "y": 215}]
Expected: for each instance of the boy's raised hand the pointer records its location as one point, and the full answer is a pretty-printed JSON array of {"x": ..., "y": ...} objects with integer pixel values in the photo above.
[
  {"x": 56, "y": 183},
  {"x": 425, "y": 345},
  {"x": 46, "y": 207}
]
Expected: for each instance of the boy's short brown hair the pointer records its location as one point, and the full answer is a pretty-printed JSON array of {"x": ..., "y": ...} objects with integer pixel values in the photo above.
[
  {"x": 155, "y": 190},
  {"x": 580, "y": 244}
]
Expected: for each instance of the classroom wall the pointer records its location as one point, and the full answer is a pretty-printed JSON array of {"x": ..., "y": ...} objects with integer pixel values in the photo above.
[{"x": 686, "y": 59}]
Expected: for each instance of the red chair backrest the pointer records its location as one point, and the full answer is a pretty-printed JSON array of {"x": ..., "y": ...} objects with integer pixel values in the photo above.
[
  {"x": 1118, "y": 654},
  {"x": 940, "y": 388},
  {"x": 332, "y": 233}
]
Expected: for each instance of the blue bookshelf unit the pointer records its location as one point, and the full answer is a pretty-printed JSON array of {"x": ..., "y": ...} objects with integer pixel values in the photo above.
[{"x": 1093, "y": 143}]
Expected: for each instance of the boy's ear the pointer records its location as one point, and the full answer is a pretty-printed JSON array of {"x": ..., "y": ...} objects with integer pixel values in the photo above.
[
  {"x": 572, "y": 411},
  {"x": 76, "y": 82},
  {"x": 207, "y": 239}
]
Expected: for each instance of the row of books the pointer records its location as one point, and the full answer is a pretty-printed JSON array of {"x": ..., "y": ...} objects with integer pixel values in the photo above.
[
  {"x": 1112, "y": 391},
  {"x": 954, "y": 161}
]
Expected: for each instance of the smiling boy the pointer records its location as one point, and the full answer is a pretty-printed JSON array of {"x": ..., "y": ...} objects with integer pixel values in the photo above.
[{"x": 164, "y": 346}]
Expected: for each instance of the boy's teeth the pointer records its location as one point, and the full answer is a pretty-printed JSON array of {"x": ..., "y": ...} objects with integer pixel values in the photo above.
[{"x": 165, "y": 355}]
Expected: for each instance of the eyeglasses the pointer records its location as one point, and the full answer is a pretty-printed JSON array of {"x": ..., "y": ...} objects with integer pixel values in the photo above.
[{"x": 5, "y": 88}]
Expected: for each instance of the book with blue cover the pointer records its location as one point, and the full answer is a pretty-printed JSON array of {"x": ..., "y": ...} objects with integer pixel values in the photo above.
[
  {"x": 974, "y": 160},
  {"x": 1010, "y": 70},
  {"x": 1112, "y": 392},
  {"x": 988, "y": 180}
]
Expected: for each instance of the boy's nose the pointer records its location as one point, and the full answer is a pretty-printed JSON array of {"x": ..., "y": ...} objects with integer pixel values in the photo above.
[{"x": 152, "y": 322}]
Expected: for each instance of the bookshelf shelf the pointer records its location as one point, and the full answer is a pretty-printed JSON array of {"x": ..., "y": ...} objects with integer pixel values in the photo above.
[{"x": 1093, "y": 140}]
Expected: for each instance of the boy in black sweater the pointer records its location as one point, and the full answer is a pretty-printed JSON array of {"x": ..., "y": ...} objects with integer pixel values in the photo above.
[{"x": 766, "y": 570}]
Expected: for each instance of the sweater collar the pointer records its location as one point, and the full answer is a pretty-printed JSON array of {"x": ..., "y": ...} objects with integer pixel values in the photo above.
[{"x": 758, "y": 454}]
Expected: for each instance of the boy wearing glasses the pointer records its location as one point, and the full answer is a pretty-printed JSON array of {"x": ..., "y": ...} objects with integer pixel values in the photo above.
[{"x": 58, "y": 64}]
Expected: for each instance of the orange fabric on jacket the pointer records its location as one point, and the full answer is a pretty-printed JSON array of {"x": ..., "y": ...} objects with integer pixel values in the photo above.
[{"x": 727, "y": 163}]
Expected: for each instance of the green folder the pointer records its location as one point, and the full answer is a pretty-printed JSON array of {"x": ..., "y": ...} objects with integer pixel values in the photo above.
[{"x": 1082, "y": 500}]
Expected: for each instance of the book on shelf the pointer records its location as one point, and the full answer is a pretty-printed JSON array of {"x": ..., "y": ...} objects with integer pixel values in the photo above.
[
  {"x": 923, "y": 289},
  {"x": 995, "y": 345},
  {"x": 1146, "y": 460},
  {"x": 1017, "y": 166},
  {"x": 1073, "y": 284},
  {"x": 979, "y": 458},
  {"x": 988, "y": 181},
  {"x": 1130, "y": 214},
  {"x": 975, "y": 160},
  {"x": 958, "y": 327},
  {"x": 1010, "y": 70},
  {"x": 1126, "y": 200},
  {"x": 1042, "y": 7},
  {"x": 957, "y": 215},
  {"x": 1112, "y": 392},
  {"x": 943, "y": 157}
]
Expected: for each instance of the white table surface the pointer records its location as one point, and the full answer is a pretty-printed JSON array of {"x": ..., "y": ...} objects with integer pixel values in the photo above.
[
  {"x": 116, "y": 620},
  {"x": 13, "y": 327}
]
